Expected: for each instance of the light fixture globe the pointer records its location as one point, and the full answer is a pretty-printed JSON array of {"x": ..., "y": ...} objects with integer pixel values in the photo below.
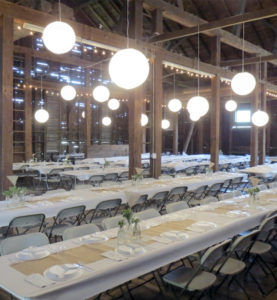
[
  {"x": 106, "y": 121},
  {"x": 174, "y": 105},
  {"x": 58, "y": 37},
  {"x": 194, "y": 117},
  {"x": 128, "y": 68},
  {"x": 41, "y": 115},
  {"x": 231, "y": 105},
  {"x": 113, "y": 104},
  {"x": 165, "y": 124},
  {"x": 83, "y": 114},
  {"x": 68, "y": 93},
  {"x": 143, "y": 120},
  {"x": 243, "y": 83},
  {"x": 260, "y": 118},
  {"x": 101, "y": 93},
  {"x": 198, "y": 105}
]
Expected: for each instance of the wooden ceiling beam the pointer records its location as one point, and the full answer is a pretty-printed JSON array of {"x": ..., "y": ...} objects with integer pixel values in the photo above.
[
  {"x": 109, "y": 40},
  {"x": 222, "y": 23},
  {"x": 189, "y": 20},
  {"x": 248, "y": 61}
]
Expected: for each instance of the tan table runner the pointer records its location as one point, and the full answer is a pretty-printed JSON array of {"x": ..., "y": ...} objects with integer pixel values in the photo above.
[
  {"x": 84, "y": 254},
  {"x": 174, "y": 225}
]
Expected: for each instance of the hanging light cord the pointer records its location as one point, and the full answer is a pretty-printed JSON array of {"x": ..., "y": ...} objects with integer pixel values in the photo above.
[
  {"x": 127, "y": 29},
  {"x": 198, "y": 59},
  {"x": 60, "y": 11},
  {"x": 174, "y": 85},
  {"x": 41, "y": 92},
  {"x": 242, "y": 47}
]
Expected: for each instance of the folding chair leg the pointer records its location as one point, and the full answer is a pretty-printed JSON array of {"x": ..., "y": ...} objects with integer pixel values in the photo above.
[{"x": 242, "y": 288}]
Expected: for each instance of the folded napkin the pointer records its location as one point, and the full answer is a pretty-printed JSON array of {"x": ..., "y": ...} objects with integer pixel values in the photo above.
[
  {"x": 113, "y": 255},
  {"x": 161, "y": 240},
  {"x": 38, "y": 280}
]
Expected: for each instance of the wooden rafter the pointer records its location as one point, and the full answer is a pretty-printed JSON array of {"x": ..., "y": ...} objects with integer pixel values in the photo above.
[{"x": 226, "y": 22}]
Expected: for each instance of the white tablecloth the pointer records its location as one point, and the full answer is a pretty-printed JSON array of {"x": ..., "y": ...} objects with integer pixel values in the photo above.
[
  {"x": 263, "y": 170},
  {"x": 91, "y": 197},
  {"x": 108, "y": 273}
]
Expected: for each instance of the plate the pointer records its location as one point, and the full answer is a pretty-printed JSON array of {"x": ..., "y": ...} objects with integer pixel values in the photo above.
[
  {"x": 63, "y": 272},
  {"x": 32, "y": 253},
  {"x": 93, "y": 239},
  {"x": 237, "y": 213},
  {"x": 202, "y": 226},
  {"x": 174, "y": 235}
]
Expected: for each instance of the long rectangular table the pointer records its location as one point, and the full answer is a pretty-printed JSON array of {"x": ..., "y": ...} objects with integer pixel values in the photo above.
[
  {"x": 128, "y": 192},
  {"x": 108, "y": 273},
  {"x": 262, "y": 170}
]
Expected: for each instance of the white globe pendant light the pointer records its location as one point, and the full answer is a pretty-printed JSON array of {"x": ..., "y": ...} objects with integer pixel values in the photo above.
[
  {"x": 58, "y": 37},
  {"x": 231, "y": 105},
  {"x": 174, "y": 105},
  {"x": 143, "y": 120},
  {"x": 41, "y": 115},
  {"x": 260, "y": 118},
  {"x": 128, "y": 68},
  {"x": 243, "y": 83},
  {"x": 113, "y": 104},
  {"x": 194, "y": 117},
  {"x": 83, "y": 114},
  {"x": 198, "y": 105},
  {"x": 68, "y": 93},
  {"x": 165, "y": 124},
  {"x": 101, "y": 93},
  {"x": 106, "y": 121}
]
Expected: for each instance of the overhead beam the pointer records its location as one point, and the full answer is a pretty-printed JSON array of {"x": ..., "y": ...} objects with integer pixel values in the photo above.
[
  {"x": 222, "y": 23},
  {"x": 109, "y": 40},
  {"x": 248, "y": 61},
  {"x": 188, "y": 20}
]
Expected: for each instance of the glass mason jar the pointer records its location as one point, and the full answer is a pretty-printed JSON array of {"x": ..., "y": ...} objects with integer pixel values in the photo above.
[
  {"x": 136, "y": 232},
  {"x": 121, "y": 236}
]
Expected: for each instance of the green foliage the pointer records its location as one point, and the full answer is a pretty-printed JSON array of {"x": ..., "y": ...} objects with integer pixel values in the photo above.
[
  {"x": 135, "y": 220},
  {"x": 121, "y": 223},
  {"x": 137, "y": 177},
  {"x": 127, "y": 214},
  {"x": 14, "y": 191},
  {"x": 253, "y": 191}
]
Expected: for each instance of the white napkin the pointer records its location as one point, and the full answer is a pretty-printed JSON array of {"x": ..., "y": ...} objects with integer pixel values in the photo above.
[
  {"x": 113, "y": 255},
  {"x": 162, "y": 240},
  {"x": 38, "y": 280}
]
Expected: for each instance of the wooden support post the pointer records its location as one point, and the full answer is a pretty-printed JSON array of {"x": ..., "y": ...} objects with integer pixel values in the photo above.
[
  {"x": 6, "y": 103},
  {"x": 262, "y": 137},
  {"x": 156, "y": 130},
  {"x": 215, "y": 105},
  {"x": 268, "y": 127},
  {"x": 143, "y": 149},
  {"x": 28, "y": 109},
  {"x": 157, "y": 21},
  {"x": 87, "y": 119},
  {"x": 254, "y": 129},
  {"x": 175, "y": 133},
  {"x": 135, "y": 107}
]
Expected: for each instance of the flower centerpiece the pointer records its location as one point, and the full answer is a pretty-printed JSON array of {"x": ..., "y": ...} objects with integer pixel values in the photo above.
[
  {"x": 67, "y": 160},
  {"x": 14, "y": 193},
  {"x": 106, "y": 163},
  {"x": 253, "y": 192},
  {"x": 136, "y": 230}
]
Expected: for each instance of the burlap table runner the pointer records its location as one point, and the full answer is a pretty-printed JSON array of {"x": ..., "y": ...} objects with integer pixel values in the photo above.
[{"x": 85, "y": 254}]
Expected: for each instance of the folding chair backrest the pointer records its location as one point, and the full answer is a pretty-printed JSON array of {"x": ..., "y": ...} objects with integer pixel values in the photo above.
[
  {"x": 96, "y": 179},
  {"x": 108, "y": 204},
  {"x": 112, "y": 222},
  {"x": 77, "y": 231},
  {"x": 272, "y": 185},
  {"x": 237, "y": 180},
  {"x": 160, "y": 196},
  {"x": 266, "y": 227},
  {"x": 68, "y": 169},
  {"x": 83, "y": 168},
  {"x": 20, "y": 242},
  {"x": 180, "y": 190},
  {"x": 111, "y": 177},
  {"x": 213, "y": 254},
  {"x": 55, "y": 172},
  {"x": 147, "y": 214},
  {"x": 176, "y": 206},
  {"x": 124, "y": 175},
  {"x": 74, "y": 211},
  {"x": 244, "y": 242},
  {"x": 190, "y": 171},
  {"x": 198, "y": 194},
  {"x": 27, "y": 221}
]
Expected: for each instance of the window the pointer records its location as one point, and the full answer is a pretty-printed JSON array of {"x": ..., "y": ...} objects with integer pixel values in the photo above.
[{"x": 242, "y": 116}]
